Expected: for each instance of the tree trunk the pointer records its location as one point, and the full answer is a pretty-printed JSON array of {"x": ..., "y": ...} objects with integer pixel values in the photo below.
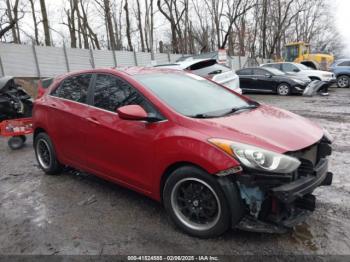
[
  {"x": 140, "y": 25},
  {"x": 35, "y": 23},
  {"x": 108, "y": 17},
  {"x": 128, "y": 34},
  {"x": 13, "y": 20},
  {"x": 45, "y": 23}
]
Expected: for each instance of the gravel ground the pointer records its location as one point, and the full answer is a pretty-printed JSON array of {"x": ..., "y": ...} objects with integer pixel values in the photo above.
[{"x": 77, "y": 213}]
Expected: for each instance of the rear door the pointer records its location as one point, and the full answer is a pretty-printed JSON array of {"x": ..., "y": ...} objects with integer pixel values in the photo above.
[
  {"x": 67, "y": 113},
  {"x": 120, "y": 149}
]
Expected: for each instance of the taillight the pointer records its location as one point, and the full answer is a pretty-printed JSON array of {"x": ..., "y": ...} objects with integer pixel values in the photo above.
[{"x": 41, "y": 92}]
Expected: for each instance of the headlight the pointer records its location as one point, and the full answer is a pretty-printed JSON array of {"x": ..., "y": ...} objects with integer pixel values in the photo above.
[
  {"x": 327, "y": 135},
  {"x": 257, "y": 158},
  {"x": 300, "y": 82}
]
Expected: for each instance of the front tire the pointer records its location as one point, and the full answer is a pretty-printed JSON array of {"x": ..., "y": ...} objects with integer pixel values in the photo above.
[
  {"x": 283, "y": 89},
  {"x": 196, "y": 203},
  {"x": 343, "y": 81},
  {"x": 46, "y": 155}
]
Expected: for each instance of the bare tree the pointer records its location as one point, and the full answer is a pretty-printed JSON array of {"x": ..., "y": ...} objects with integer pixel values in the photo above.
[
  {"x": 12, "y": 21},
  {"x": 173, "y": 12}
]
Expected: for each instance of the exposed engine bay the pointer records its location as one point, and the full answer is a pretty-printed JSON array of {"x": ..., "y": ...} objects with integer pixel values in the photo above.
[{"x": 14, "y": 101}]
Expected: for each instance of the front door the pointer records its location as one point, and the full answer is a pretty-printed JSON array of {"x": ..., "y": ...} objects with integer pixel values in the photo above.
[{"x": 122, "y": 150}]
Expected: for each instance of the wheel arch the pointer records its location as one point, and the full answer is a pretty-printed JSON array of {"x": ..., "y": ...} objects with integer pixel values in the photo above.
[
  {"x": 171, "y": 168},
  {"x": 309, "y": 63},
  {"x": 38, "y": 130}
]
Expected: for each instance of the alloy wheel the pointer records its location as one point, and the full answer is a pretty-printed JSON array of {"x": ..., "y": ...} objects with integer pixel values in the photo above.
[
  {"x": 195, "y": 204},
  {"x": 43, "y": 153},
  {"x": 343, "y": 81}
]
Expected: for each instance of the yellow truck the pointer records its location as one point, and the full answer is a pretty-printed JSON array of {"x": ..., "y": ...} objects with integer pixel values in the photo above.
[{"x": 299, "y": 52}]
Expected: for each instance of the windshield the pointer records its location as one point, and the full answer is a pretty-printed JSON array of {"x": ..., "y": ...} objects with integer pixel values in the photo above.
[
  {"x": 274, "y": 71},
  {"x": 303, "y": 67},
  {"x": 191, "y": 95}
]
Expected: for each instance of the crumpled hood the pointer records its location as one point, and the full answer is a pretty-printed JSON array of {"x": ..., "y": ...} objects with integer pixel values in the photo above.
[{"x": 267, "y": 127}]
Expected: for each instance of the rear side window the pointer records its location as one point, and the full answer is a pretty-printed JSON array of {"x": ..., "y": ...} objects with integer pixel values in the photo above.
[
  {"x": 210, "y": 67},
  {"x": 74, "y": 88},
  {"x": 112, "y": 92},
  {"x": 244, "y": 72},
  {"x": 277, "y": 66},
  {"x": 259, "y": 72}
]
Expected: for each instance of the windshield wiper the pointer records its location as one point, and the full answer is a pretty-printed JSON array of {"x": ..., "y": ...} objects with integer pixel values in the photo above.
[
  {"x": 237, "y": 109},
  {"x": 251, "y": 105}
]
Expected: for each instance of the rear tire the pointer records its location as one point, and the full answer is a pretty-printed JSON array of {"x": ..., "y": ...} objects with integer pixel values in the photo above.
[
  {"x": 283, "y": 89},
  {"x": 46, "y": 155},
  {"x": 196, "y": 203},
  {"x": 16, "y": 142},
  {"x": 343, "y": 81}
]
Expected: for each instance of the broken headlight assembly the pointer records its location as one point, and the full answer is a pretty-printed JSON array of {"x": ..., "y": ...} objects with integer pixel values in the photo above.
[{"x": 257, "y": 158}]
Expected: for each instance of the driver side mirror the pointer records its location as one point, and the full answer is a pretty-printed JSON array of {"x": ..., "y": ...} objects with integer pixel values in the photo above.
[
  {"x": 296, "y": 70},
  {"x": 132, "y": 112},
  {"x": 268, "y": 75}
]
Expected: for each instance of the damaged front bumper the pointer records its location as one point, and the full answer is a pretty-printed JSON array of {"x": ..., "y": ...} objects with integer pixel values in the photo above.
[{"x": 274, "y": 203}]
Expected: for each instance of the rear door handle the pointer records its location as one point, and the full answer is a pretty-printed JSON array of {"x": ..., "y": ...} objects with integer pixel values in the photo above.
[{"x": 93, "y": 120}]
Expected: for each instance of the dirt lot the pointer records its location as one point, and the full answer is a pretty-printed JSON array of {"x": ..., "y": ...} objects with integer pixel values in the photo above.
[{"x": 77, "y": 213}]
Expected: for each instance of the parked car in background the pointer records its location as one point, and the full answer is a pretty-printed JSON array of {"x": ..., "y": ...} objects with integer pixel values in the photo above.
[
  {"x": 270, "y": 80},
  {"x": 210, "y": 69},
  {"x": 215, "y": 159},
  {"x": 341, "y": 69},
  {"x": 304, "y": 71}
]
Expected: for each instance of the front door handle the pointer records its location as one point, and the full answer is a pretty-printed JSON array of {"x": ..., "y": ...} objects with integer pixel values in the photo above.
[{"x": 93, "y": 120}]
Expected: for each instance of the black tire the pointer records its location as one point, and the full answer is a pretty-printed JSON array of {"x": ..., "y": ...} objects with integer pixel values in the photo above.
[
  {"x": 283, "y": 89},
  {"x": 16, "y": 142},
  {"x": 343, "y": 81},
  {"x": 210, "y": 197},
  {"x": 46, "y": 155}
]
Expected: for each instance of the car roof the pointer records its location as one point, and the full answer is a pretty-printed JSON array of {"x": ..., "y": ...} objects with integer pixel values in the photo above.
[{"x": 130, "y": 70}]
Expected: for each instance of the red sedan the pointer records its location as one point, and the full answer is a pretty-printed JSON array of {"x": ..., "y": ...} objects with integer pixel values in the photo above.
[{"x": 214, "y": 158}]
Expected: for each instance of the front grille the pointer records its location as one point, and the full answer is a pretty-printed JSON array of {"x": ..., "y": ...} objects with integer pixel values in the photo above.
[{"x": 306, "y": 167}]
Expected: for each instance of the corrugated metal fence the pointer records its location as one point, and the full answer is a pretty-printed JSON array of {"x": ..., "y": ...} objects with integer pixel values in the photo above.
[{"x": 41, "y": 61}]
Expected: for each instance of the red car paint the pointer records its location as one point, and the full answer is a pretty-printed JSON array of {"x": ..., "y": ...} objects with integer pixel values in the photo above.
[{"x": 137, "y": 154}]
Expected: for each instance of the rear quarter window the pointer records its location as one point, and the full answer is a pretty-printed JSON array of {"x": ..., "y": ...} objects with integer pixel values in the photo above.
[
  {"x": 208, "y": 68},
  {"x": 74, "y": 88}
]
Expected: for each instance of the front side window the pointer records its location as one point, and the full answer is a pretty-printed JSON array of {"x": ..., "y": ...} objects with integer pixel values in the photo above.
[
  {"x": 112, "y": 92},
  {"x": 191, "y": 95},
  {"x": 345, "y": 63},
  {"x": 74, "y": 88}
]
